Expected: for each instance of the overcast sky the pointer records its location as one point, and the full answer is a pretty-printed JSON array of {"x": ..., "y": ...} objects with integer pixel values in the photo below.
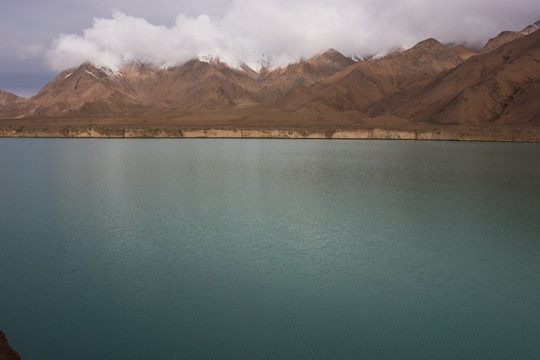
[{"x": 40, "y": 38}]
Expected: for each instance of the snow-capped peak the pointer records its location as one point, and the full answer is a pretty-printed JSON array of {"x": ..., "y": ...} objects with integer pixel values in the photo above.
[{"x": 109, "y": 71}]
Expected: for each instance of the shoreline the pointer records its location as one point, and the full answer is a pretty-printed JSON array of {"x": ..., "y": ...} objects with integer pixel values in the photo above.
[{"x": 507, "y": 134}]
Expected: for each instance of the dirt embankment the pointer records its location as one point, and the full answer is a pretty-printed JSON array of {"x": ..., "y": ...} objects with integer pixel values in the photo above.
[{"x": 456, "y": 133}]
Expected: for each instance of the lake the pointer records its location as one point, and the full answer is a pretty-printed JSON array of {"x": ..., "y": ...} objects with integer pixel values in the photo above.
[{"x": 269, "y": 249}]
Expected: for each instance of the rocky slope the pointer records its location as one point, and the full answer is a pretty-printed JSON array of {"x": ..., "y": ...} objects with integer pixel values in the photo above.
[{"x": 6, "y": 352}]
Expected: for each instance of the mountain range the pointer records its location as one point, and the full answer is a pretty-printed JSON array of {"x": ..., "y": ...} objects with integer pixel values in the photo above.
[{"x": 430, "y": 85}]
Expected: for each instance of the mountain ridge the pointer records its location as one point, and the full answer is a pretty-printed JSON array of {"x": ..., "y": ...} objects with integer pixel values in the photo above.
[
  {"x": 480, "y": 90},
  {"x": 429, "y": 84}
]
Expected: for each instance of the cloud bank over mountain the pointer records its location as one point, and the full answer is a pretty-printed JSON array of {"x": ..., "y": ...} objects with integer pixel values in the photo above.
[{"x": 277, "y": 32}]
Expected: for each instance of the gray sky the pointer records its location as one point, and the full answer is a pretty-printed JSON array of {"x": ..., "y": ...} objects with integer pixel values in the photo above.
[{"x": 40, "y": 38}]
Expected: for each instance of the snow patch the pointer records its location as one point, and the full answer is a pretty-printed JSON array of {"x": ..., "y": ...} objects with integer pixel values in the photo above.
[
  {"x": 91, "y": 73},
  {"x": 210, "y": 59},
  {"x": 378, "y": 56},
  {"x": 205, "y": 58},
  {"x": 213, "y": 59},
  {"x": 68, "y": 75},
  {"x": 167, "y": 66},
  {"x": 110, "y": 72},
  {"x": 362, "y": 58},
  {"x": 235, "y": 67},
  {"x": 531, "y": 28}
]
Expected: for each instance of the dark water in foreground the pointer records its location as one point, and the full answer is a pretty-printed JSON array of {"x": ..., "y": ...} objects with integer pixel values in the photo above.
[{"x": 176, "y": 249}]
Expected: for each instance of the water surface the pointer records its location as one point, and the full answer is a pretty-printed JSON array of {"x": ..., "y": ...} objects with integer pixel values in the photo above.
[{"x": 175, "y": 249}]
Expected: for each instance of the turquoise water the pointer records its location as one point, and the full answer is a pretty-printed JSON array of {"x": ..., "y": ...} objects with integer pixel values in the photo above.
[{"x": 260, "y": 249}]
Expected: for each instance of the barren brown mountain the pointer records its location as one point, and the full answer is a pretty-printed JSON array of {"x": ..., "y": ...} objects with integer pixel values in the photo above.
[
  {"x": 91, "y": 90},
  {"x": 498, "y": 87},
  {"x": 208, "y": 85},
  {"x": 85, "y": 90},
  {"x": 360, "y": 85},
  {"x": 427, "y": 86},
  {"x": 277, "y": 83},
  {"x": 9, "y": 102},
  {"x": 197, "y": 85}
]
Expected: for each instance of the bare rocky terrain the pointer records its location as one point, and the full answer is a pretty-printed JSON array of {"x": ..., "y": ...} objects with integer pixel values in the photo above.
[
  {"x": 6, "y": 352},
  {"x": 428, "y": 90}
]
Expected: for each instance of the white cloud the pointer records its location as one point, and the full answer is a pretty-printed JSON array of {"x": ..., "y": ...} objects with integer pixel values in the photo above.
[{"x": 285, "y": 31}]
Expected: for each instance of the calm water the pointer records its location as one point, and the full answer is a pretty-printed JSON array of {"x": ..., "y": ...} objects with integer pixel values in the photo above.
[{"x": 259, "y": 249}]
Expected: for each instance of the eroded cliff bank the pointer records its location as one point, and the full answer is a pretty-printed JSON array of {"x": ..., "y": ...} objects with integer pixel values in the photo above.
[{"x": 514, "y": 134}]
